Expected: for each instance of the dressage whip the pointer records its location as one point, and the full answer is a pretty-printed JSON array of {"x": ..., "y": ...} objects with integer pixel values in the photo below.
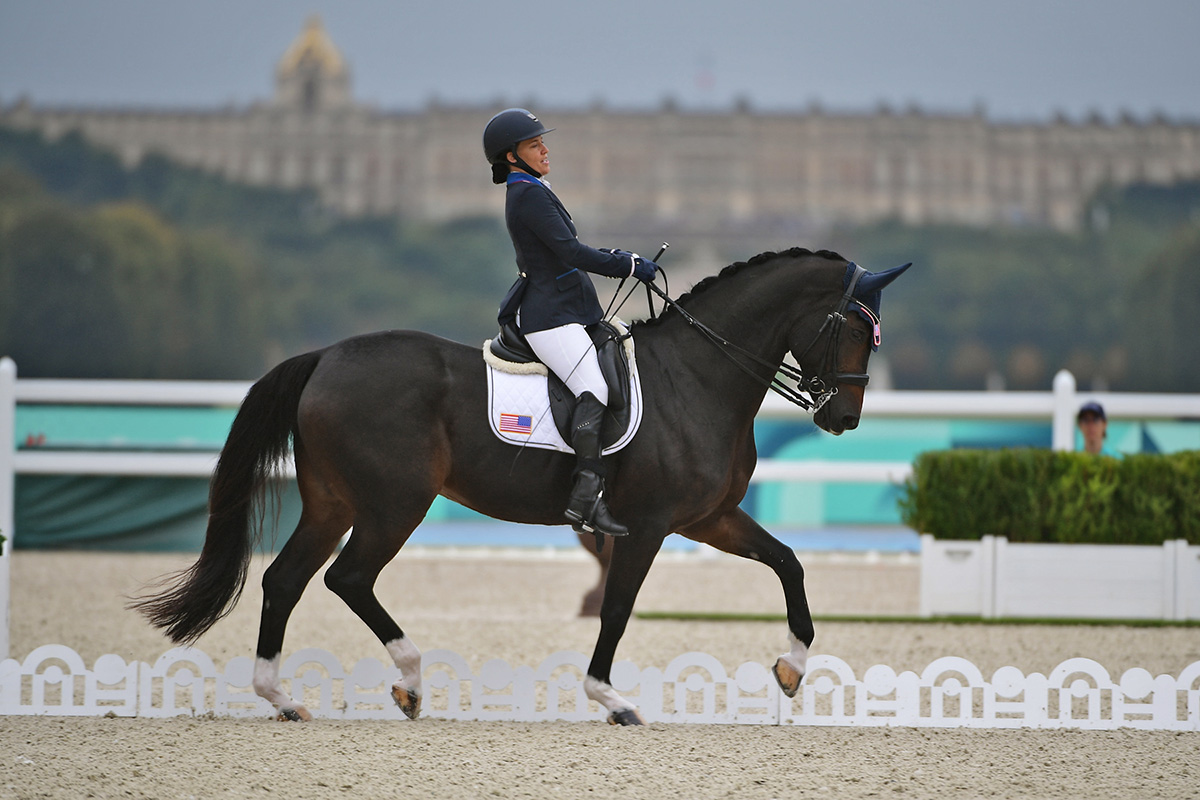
[
  {"x": 819, "y": 394},
  {"x": 610, "y": 311}
]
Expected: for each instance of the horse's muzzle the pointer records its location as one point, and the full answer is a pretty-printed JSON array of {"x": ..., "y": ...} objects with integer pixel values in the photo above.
[{"x": 837, "y": 425}]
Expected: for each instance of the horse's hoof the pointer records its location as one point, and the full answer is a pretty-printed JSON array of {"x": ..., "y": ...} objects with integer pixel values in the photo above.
[
  {"x": 408, "y": 700},
  {"x": 297, "y": 714},
  {"x": 787, "y": 677},
  {"x": 626, "y": 716}
]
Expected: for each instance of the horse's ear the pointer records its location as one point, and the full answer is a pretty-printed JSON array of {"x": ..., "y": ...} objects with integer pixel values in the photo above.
[{"x": 874, "y": 282}]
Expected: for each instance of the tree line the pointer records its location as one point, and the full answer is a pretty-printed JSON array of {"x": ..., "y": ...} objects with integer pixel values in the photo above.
[
  {"x": 162, "y": 271},
  {"x": 1112, "y": 302}
]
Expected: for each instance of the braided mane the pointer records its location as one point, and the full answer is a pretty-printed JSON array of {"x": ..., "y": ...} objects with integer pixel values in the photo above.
[{"x": 733, "y": 269}]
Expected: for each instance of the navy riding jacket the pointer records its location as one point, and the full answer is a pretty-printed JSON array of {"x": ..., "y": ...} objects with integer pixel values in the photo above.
[{"x": 554, "y": 288}]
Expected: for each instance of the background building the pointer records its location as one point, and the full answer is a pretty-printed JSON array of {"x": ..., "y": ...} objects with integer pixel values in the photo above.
[{"x": 711, "y": 179}]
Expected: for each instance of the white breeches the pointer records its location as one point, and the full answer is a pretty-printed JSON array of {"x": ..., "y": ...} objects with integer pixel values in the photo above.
[{"x": 569, "y": 353}]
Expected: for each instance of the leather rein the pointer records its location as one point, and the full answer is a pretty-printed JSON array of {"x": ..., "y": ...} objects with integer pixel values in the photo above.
[{"x": 811, "y": 391}]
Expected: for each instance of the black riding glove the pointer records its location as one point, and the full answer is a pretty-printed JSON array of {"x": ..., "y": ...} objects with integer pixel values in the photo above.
[{"x": 644, "y": 269}]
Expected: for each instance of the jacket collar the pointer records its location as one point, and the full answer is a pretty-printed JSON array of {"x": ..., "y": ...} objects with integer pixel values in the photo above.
[{"x": 525, "y": 177}]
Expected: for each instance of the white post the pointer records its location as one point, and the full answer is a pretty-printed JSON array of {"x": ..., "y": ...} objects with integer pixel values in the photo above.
[
  {"x": 1175, "y": 559},
  {"x": 1062, "y": 437},
  {"x": 8, "y": 413},
  {"x": 989, "y": 555},
  {"x": 925, "y": 603},
  {"x": 1187, "y": 581}
]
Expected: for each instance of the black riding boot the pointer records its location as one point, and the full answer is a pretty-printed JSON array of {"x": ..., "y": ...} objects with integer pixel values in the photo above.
[{"x": 586, "y": 507}]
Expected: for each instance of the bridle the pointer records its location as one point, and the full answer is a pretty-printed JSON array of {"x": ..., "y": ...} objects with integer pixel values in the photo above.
[{"x": 811, "y": 392}]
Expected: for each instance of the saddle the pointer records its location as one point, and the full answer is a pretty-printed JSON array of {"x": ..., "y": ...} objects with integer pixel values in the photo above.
[{"x": 510, "y": 345}]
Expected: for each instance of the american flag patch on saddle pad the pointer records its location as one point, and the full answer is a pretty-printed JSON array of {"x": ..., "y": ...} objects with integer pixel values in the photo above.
[
  {"x": 519, "y": 410},
  {"x": 516, "y": 423}
]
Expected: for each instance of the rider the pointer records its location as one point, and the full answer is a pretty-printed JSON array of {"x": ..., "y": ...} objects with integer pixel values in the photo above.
[{"x": 553, "y": 298}]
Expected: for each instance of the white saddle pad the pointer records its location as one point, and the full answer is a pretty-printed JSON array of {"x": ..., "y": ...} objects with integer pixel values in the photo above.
[{"x": 519, "y": 404}]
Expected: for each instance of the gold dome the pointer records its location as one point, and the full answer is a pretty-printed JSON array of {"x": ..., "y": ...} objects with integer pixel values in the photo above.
[{"x": 314, "y": 44}]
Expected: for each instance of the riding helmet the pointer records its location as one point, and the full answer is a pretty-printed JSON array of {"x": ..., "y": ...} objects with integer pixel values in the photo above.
[{"x": 507, "y": 129}]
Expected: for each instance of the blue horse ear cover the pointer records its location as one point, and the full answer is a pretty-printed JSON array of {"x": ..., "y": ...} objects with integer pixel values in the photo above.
[{"x": 869, "y": 291}]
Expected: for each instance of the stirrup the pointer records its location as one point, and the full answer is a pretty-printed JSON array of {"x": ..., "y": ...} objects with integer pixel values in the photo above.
[
  {"x": 587, "y": 524},
  {"x": 578, "y": 528}
]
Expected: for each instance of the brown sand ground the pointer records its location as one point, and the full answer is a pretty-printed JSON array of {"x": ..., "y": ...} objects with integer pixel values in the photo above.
[{"x": 521, "y": 607}]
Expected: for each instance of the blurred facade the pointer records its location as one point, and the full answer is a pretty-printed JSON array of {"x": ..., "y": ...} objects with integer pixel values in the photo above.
[{"x": 712, "y": 176}]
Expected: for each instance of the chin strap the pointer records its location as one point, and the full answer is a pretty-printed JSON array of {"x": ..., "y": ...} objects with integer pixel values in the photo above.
[{"x": 521, "y": 163}]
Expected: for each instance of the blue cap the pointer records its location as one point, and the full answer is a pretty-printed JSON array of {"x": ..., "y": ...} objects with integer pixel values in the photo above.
[{"x": 1092, "y": 407}]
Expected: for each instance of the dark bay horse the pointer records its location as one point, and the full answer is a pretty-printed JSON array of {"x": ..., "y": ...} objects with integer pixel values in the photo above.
[{"x": 381, "y": 424}]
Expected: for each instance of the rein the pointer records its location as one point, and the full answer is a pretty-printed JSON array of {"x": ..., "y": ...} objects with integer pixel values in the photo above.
[{"x": 818, "y": 388}]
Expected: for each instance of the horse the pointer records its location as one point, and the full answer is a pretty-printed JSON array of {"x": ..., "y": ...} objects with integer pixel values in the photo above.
[{"x": 382, "y": 423}]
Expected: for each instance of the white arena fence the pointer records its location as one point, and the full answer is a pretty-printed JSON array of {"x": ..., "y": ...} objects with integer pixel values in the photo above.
[{"x": 694, "y": 688}]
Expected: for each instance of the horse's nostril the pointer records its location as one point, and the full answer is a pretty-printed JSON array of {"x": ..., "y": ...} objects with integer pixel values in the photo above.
[{"x": 850, "y": 422}]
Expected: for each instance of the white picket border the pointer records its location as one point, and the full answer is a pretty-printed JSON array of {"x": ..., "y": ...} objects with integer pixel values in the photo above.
[{"x": 950, "y": 692}]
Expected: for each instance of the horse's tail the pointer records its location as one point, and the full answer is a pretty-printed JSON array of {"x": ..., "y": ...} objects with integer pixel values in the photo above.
[{"x": 258, "y": 440}]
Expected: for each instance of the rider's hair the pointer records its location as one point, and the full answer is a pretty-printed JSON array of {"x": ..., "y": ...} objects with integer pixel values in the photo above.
[{"x": 500, "y": 168}]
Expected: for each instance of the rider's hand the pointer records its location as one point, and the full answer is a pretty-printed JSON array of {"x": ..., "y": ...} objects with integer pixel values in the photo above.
[{"x": 644, "y": 269}]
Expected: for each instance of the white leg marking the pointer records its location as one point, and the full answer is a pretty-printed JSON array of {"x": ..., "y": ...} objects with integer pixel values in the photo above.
[
  {"x": 407, "y": 690},
  {"x": 605, "y": 695},
  {"x": 797, "y": 658},
  {"x": 266, "y": 683},
  {"x": 407, "y": 658}
]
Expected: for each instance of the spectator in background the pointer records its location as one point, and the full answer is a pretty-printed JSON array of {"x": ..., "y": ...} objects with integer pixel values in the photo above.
[{"x": 1093, "y": 424}]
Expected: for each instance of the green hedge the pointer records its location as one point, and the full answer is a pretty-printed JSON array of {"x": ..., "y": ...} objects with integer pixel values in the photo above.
[{"x": 1033, "y": 495}]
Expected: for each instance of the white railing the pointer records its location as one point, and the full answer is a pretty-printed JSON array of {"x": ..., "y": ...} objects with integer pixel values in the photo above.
[
  {"x": 1059, "y": 406},
  {"x": 694, "y": 688}
]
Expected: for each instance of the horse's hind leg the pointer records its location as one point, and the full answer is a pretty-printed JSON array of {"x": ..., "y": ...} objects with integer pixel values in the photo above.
[
  {"x": 375, "y": 542},
  {"x": 737, "y": 533},
  {"x": 314, "y": 539},
  {"x": 595, "y": 596}
]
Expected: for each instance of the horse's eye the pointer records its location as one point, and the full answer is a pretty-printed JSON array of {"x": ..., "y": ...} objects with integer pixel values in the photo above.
[{"x": 857, "y": 335}]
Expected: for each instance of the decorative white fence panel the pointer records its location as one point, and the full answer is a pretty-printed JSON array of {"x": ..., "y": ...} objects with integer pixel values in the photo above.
[
  {"x": 694, "y": 688},
  {"x": 993, "y": 577}
]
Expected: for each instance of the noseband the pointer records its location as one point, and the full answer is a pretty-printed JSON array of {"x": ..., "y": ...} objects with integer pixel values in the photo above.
[{"x": 819, "y": 388}]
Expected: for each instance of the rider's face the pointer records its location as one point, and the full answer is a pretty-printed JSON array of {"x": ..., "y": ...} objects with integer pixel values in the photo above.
[{"x": 534, "y": 153}]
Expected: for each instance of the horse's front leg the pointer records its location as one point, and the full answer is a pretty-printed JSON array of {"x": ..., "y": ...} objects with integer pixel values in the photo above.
[
  {"x": 735, "y": 532},
  {"x": 631, "y": 559}
]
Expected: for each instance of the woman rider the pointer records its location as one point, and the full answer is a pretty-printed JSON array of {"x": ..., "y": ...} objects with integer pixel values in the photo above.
[{"x": 553, "y": 299}]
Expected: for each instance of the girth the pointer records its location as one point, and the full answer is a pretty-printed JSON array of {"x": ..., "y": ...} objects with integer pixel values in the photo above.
[{"x": 510, "y": 345}]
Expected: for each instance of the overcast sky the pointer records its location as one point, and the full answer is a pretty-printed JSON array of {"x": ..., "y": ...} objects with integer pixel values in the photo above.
[{"x": 1019, "y": 59}]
